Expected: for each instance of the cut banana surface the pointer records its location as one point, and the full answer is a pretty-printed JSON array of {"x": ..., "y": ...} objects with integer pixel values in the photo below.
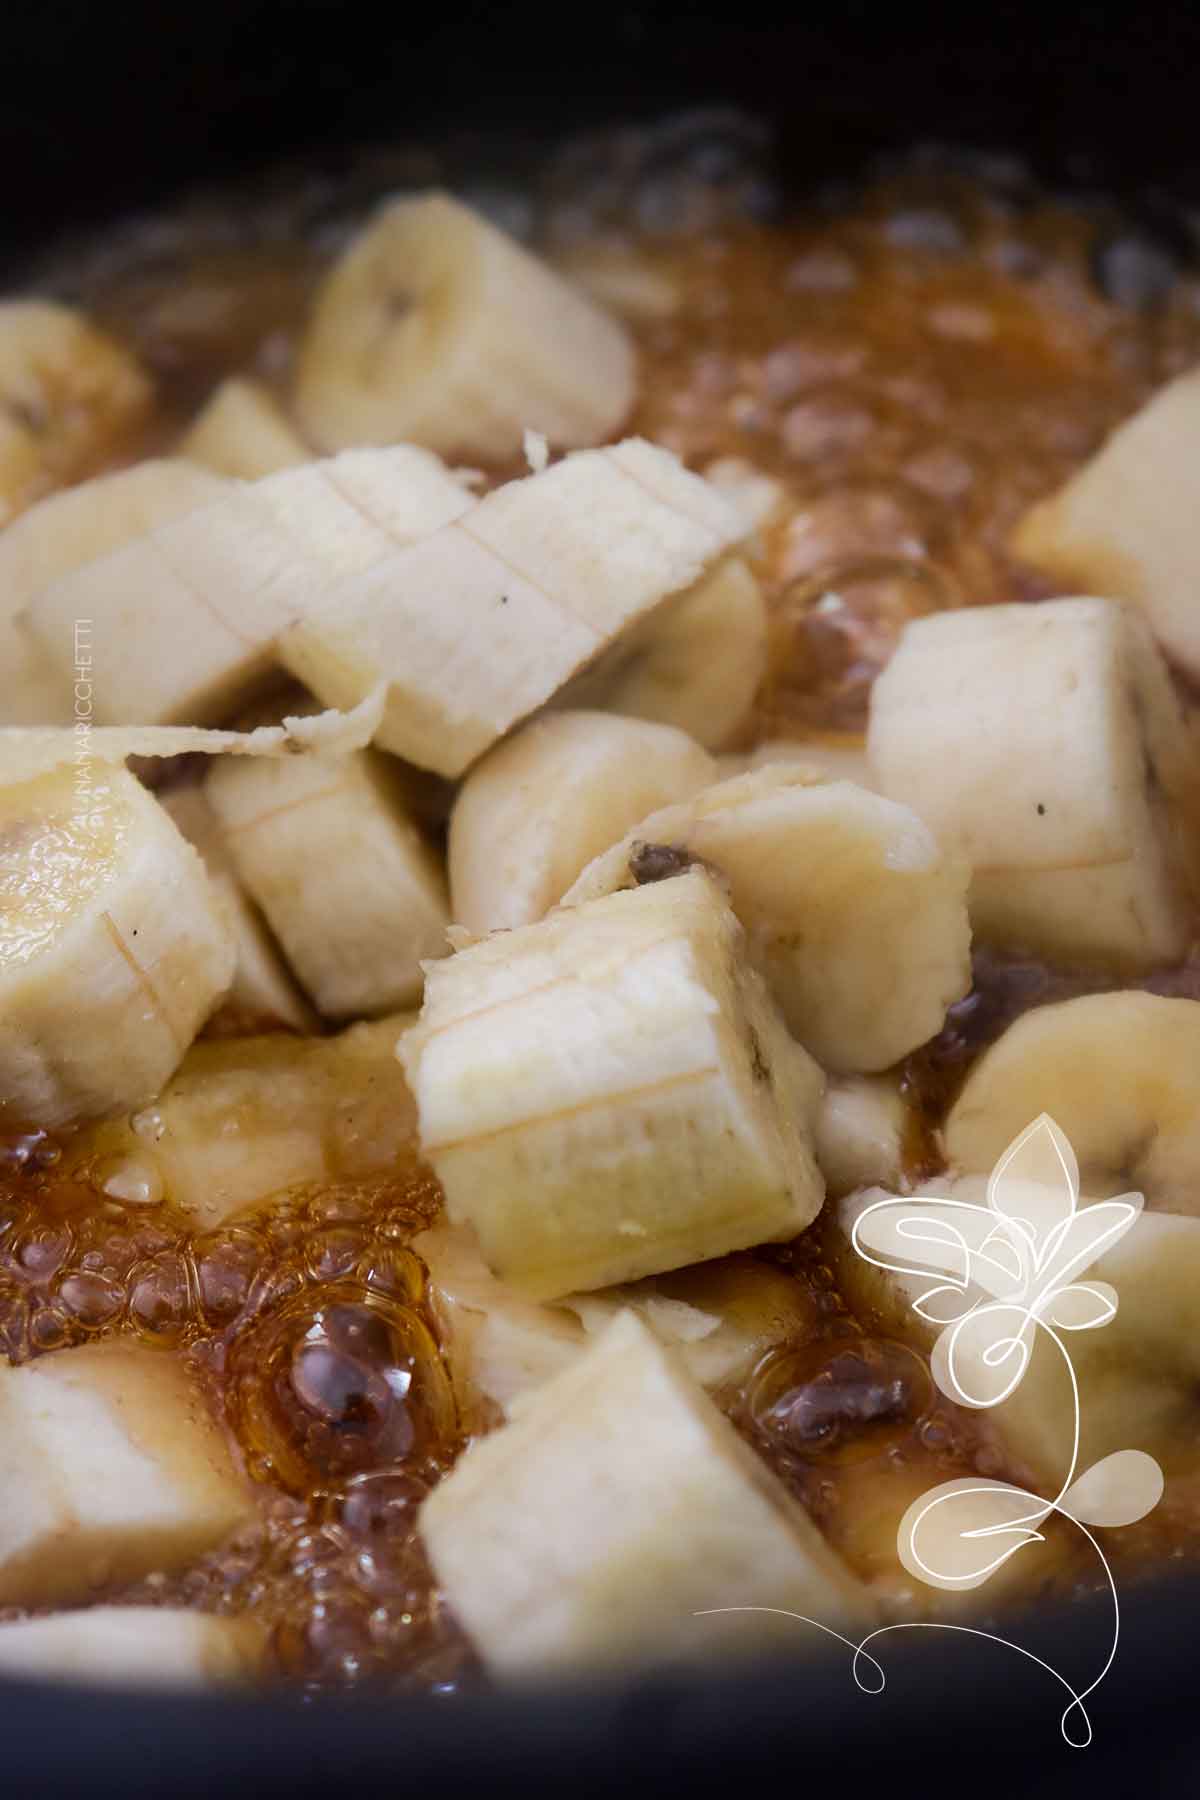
[
  {"x": 110, "y": 1468},
  {"x": 719, "y": 1317},
  {"x": 263, "y": 994},
  {"x": 133, "y": 1646},
  {"x": 482, "y": 622},
  {"x": 244, "y": 1119},
  {"x": 69, "y": 395},
  {"x": 439, "y": 329},
  {"x": 189, "y": 611},
  {"x": 852, "y": 910},
  {"x": 242, "y": 431},
  {"x": 345, "y": 878},
  {"x": 863, "y": 1129},
  {"x": 1128, "y": 524},
  {"x": 113, "y": 948},
  {"x": 60, "y": 534},
  {"x": 1047, "y": 744},
  {"x": 533, "y": 812},
  {"x": 610, "y": 1093},
  {"x": 1117, "y": 1072},
  {"x": 600, "y": 1526},
  {"x": 696, "y": 664}
]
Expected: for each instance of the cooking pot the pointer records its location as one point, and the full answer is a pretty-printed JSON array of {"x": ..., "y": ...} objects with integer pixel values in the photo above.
[{"x": 107, "y": 110}]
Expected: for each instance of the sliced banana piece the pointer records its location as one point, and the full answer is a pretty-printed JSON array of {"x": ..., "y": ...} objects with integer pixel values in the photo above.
[
  {"x": 1047, "y": 744},
  {"x": 58, "y": 535},
  {"x": 480, "y": 624},
  {"x": 596, "y": 1529},
  {"x": 437, "y": 328},
  {"x": 188, "y": 612},
  {"x": 110, "y": 1468},
  {"x": 610, "y": 1093},
  {"x": 243, "y": 1119},
  {"x": 501, "y": 1344},
  {"x": 113, "y": 949},
  {"x": 134, "y": 1646},
  {"x": 263, "y": 992},
  {"x": 1127, "y": 525},
  {"x": 719, "y": 1317},
  {"x": 862, "y": 1131},
  {"x": 696, "y": 664},
  {"x": 822, "y": 758},
  {"x": 69, "y": 395},
  {"x": 242, "y": 431},
  {"x": 1116, "y": 1072},
  {"x": 350, "y": 886},
  {"x": 853, "y": 912},
  {"x": 536, "y": 809}
]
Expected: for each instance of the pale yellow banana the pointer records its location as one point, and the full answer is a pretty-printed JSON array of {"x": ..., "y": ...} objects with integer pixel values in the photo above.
[
  {"x": 535, "y": 810},
  {"x": 610, "y": 1093},
  {"x": 855, "y": 914},
  {"x": 439, "y": 329}
]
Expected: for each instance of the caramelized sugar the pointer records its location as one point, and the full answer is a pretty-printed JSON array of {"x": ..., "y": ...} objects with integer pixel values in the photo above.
[{"x": 913, "y": 364}]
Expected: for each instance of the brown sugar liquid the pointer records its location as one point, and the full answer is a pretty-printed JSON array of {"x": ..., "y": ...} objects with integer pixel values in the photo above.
[{"x": 914, "y": 367}]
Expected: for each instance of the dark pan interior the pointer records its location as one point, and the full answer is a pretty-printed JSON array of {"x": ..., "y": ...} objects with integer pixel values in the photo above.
[{"x": 106, "y": 109}]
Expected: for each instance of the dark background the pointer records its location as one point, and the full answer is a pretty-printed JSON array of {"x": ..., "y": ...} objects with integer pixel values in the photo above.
[{"x": 107, "y": 107}]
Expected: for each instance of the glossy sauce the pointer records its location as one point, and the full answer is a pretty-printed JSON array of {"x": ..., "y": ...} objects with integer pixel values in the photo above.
[{"x": 914, "y": 365}]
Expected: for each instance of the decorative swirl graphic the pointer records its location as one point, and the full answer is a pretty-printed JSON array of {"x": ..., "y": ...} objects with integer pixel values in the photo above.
[{"x": 1006, "y": 1271}]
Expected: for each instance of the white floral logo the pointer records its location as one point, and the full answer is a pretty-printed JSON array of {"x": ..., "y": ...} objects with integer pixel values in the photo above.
[{"x": 1003, "y": 1273}]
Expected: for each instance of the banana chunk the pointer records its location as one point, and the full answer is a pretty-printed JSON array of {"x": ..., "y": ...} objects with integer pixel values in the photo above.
[
  {"x": 58, "y": 535},
  {"x": 1046, "y": 743},
  {"x": 535, "y": 811},
  {"x": 242, "y": 431},
  {"x": 834, "y": 758},
  {"x": 1128, "y": 524},
  {"x": 481, "y": 623},
  {"x": 111, "y": 1468},
  {"x": 853, "y": 912},
  {"x": 862, "y": 1129},
  {"x": 134, "y": 1646},
  {"x": 696, "y": 664},
  {"x": 719, "y": 1317},
  {"x": 244, "y": 1119},
  {"x": 346, "y": 880},
  {"x": 113, "y": 948},
  {"x": 437, "y": 328},
  {"x": 1117, "y": 1072},
  {"x": 188, "y": 612},
  {"x": 68, "y": 395},
  {"x": 610, "y": 1093},
  {"x": 591, "y": 1531},
  {"x": 263, "y": 993}
]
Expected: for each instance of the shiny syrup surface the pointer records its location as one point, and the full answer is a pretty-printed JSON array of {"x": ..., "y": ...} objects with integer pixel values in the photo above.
[{"x": 915, "y": 362}]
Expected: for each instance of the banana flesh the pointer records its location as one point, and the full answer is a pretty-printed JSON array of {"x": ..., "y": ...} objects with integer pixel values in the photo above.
[
  {"x": 263, "y": 993},
  {"x": 242, "y": 431},
  {"x": 609, "y": 1093},
  {"x": 113, "y": 949},
  {"x": 438, "y": 329},
  {"x": 69, "y": 395},
  {"x": 596, "y": 1528},
  {"x": 696, "y": 664},
  {"x": 1126, "y": 524},
  {"x": 1116, "y": 1072},
  {"x": 189, "y": 611},
  {"x": 1047, "y": 745},
  {"x": 60, "y": 534},
  {"x": 854, "y": 913},
  {"x": 346, "y": 880},
  {"x": 532, "y": 585}
]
